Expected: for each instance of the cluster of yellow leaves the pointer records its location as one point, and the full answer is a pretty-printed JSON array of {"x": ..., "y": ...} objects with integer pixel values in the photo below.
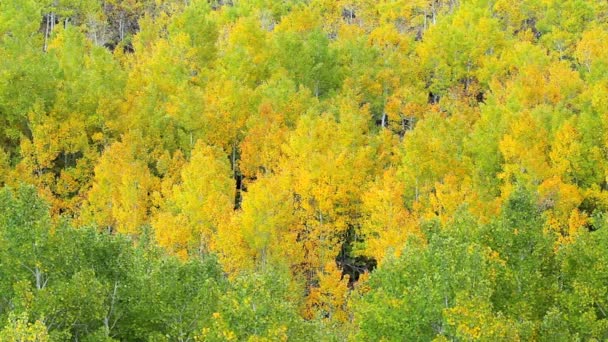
[
  {"x": 119, "y": 199},
  {"x": 525, "y": 153},
  {"x": 387, "y": 223},
  {"x": 474, "y": 320},
  {"x": 264, "y": 230},
  {"x": 19, "y": 329},
  {"x": 329, "y": 298},
  {"x": 591, "y": 49},
  {"x": 198, "y": 204}
]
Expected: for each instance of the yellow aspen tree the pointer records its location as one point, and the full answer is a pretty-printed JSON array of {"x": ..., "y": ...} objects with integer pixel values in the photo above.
[
  {"x": 260, "y": 147},
  {"x": 432, "y": 151},
  {"x": 119, "y": 200},
  {"x": 561, "y": 202},
  {"x": 525, "y": 152},
  {"x": 245, "y": 52},
  {"x": 228, "y": 105},
  {"x": 265, "y": 226},
  {"x": 565, "y": 152},
  {"x": 201, "y": 201},
  {"x": 386, "y": 223},
  {"x": 329, "y": 300},
  {"x": 326, "y": 166},
  {"x": 590, "y": 50},
  {"x": 450, "y": 194},
  {"x": 279, "y": 108}
]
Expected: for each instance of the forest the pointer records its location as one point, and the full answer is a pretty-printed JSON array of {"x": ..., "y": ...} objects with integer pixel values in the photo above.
[{"x": 303, "y": 170}]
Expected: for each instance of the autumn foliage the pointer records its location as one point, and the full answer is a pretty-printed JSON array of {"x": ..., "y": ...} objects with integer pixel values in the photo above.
[{"x": 303, "y": 170}]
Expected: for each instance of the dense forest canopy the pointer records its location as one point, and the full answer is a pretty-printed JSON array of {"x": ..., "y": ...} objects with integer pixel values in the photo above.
[{"x": 322, "y": 170}]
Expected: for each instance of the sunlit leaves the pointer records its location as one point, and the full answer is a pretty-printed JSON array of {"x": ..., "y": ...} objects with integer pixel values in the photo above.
[
  {"x": 119, "y": 199},
  {"x": 198, "y": 204}
]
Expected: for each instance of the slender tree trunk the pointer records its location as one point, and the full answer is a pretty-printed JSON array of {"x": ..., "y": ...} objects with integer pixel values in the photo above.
[
  {"x": 95, "y": 36},
  {"x": 52, "y": 22},
  {"x": 425, "y": 24},
  {"x": 47, "y": 31},
  {"x": 121, "y": 26},
  {"x": 38, "y": 275},
  {"x": 106, "y": 320}
]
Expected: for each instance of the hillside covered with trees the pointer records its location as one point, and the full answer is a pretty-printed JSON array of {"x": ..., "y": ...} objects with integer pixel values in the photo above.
[{"x": 303, "y": 170}]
